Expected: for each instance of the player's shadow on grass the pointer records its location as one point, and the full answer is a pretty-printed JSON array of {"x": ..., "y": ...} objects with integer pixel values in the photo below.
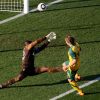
[
  {"x": 91, "y": 93},
  {"x": 39, "y": 85},
  {"x": 10, "y": 50},
  {"x": 85, "y": 78},
  {"x": 90, "y": 77}
]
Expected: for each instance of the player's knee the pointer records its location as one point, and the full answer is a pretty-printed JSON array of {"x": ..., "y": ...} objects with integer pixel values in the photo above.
[
  {"x": 63, "y": 64},
  {"x": 64, "y": 68},
  {"x": 69, "y": 80}
]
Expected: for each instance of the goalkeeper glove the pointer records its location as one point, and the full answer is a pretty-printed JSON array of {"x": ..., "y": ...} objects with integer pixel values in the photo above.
[{"x": 51, "y": 36}]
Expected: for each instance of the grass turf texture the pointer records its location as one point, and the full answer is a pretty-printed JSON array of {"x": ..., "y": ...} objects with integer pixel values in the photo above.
[{"x": 81, "y": 18}]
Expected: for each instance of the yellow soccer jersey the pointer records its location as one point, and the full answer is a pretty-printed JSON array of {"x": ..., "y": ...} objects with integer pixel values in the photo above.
[{"x": 73, "y": 53}]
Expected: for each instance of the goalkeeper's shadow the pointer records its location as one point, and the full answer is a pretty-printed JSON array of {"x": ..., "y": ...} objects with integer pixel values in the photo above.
[
  {"x": 64, "y": 81},
  {"x": 39, "y": 85}
]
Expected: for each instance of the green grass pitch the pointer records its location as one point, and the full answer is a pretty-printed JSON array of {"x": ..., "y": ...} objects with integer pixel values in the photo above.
[{"x": 80, "y": 18}]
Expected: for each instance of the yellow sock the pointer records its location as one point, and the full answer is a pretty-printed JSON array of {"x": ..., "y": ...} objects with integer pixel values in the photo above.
[{"x": 75, "y": 86}]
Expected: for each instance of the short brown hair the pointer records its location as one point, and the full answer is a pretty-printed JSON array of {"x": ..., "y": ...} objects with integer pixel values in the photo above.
[{"x": 71, "y": 39}]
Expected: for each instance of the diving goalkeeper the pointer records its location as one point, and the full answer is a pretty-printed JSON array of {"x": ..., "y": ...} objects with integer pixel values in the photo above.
[{"x": 29, "y": 52}]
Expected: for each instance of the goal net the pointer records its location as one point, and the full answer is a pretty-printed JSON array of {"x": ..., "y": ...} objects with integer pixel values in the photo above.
[{"x": 14, "y": 5}]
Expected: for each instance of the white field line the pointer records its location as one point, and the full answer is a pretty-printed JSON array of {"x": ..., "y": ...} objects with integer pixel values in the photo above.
[
  {"x": 11, "y": 18},
  {"x": 54, "y": 2},
  {"x": 72, "y": 90},
  {"x": 22, "y": 14}
]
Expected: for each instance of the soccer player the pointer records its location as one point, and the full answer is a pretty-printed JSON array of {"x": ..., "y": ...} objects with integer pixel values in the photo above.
[
  {"x": 72, "y": 66},
  {"x": 29, "y": 52}
]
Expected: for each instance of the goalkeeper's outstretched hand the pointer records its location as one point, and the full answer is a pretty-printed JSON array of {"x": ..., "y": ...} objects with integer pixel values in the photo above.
[{"x": 51, "y": 36}]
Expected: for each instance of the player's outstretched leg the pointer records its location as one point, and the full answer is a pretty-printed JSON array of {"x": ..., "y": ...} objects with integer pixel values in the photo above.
[
  {"x": 39, "y": 70},
  {"x": 55, "y": 69},
  {"x": 12, "y": 81},
  {"x": 75, "y": 87}
]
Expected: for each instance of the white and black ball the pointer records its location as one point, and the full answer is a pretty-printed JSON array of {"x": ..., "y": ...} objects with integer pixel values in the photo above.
[{"x": 41, "y": 7}]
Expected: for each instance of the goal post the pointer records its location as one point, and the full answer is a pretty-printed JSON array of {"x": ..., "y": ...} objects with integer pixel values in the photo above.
[
  {"x": 15, "y": 5},
  {"x": 26, "y": 6}
]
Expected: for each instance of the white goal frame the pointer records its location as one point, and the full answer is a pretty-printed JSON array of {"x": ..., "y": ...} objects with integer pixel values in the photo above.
[{"x": 15, "y": 5}]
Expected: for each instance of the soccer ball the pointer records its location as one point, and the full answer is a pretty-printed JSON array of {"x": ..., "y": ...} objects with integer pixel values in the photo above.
[{"x": 41, "y": 7}]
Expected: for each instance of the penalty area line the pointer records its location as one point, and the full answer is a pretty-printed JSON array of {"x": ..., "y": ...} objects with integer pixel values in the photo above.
[{"x": 72, "y": 90}]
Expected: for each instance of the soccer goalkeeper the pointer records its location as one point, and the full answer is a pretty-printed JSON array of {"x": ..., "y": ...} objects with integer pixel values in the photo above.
[
  {"x": 29, "y": 52},
  {"x": 72, "y": 66}
]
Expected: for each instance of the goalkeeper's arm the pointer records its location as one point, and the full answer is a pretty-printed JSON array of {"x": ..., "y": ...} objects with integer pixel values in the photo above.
[
  {"x": 40, "y": 48},
  {"x": 34, "y": 43},
  {"x": 51, "y": 36}
]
